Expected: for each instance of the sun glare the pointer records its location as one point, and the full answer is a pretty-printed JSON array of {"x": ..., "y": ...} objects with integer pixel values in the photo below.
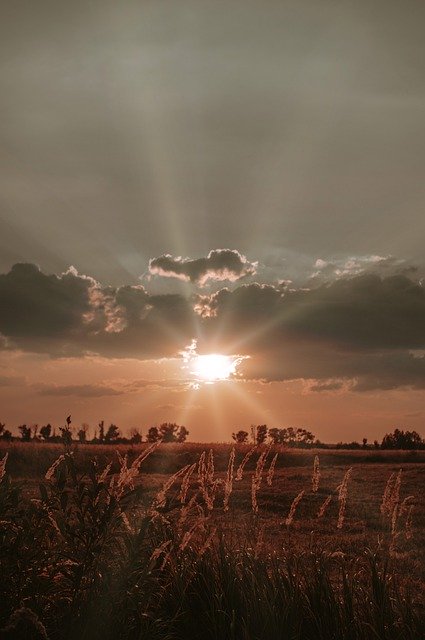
[{"x": 213, "y": 367}]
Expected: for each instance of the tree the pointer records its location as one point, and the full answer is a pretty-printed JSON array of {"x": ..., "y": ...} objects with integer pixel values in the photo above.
[
  {"x": 241, "y": 437},
  {"x": 112, "y": 434},
  {"x": 153, "y": 434},
  {"x": 135, "y": 436},
  {"x": 277, "y": 436},
  {"x": 400, "y": 439},
  {"x": 82, "y": 433},
  {"x": 182, "y": 434},
  {"x": 364, "y": 443},
  {"x": 171, "y": 432},
  {"x": 25, "y": 432},
  {"x": 261, "y": 433},
  {"x": 5, "y": 434},
  {"x": 46, "y": 431},
  {"x": 101, "y": 431}
]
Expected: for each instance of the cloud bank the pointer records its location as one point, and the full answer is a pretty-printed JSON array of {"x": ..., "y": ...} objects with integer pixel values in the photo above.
[{"x": 362, "y": 332}]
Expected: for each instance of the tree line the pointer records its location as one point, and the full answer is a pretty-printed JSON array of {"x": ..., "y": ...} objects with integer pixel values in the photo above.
[
  {"x": 303, "y": 438},
  {"x": 172, "y": 432},
  {"x": 167, "y": 432}
]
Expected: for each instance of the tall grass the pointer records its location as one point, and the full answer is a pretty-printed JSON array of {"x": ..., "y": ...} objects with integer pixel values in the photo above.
[{"x": 92, "y": 559}]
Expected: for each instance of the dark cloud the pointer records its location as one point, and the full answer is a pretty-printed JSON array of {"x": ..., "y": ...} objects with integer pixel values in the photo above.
[
  {"x": 79, "y": 390},
  {"x": 40, "y": 305},
  {"x": 366, "y": 329},
  {"x": 71, "y": 314},
  {"x": 361, "y": 312},
  {"x": 333, "y": 369},
  {"x": 220, "y": 264}
]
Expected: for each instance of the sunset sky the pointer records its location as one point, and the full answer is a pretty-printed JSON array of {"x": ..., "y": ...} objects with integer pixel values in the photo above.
[{"x": 235, "y": 178}]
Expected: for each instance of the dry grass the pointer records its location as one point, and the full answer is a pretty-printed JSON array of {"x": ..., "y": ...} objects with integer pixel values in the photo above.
[{"x": 166, "y": 503}]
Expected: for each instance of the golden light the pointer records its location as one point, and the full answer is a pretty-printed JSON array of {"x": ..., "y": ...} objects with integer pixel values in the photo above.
[{"x": 213, "y": 367}]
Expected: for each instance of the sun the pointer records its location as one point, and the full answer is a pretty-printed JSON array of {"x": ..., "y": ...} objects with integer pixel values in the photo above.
[{"x": 213, "y": 367}]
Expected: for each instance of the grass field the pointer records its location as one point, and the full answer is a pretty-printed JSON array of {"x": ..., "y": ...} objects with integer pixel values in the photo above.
[{"x": 324, "y": 544}]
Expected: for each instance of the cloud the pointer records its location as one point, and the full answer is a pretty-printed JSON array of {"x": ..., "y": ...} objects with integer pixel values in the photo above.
[
  {"x": 384, "y": 266},
  {"x": 79, "y": 390},
  {"x": 72, "y": 314},
  {"x": 220, "y": 264},
  {"x": 365, "y": 329},
  {"x": 360, "y": 312},
  {"x": 327, "y": 385}
]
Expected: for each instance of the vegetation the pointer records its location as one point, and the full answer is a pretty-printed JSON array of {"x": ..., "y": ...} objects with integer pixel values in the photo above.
[{"x": 212, "y": 544}]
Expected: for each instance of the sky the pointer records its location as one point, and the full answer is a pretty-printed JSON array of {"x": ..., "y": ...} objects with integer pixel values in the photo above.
[{"x": 196, "y": 177}]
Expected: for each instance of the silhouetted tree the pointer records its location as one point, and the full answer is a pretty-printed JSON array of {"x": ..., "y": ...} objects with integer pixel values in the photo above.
[
  {"x": 112, "y": 434},
  {"x": 182, "y": 434},
  {"x": 135, "y": 436},
  {"x": 101, "y": 431},
  {"x": 261, "y": 433},
  {"x": 364, "y": 443},
  {"x": 276, "y": 435},
  {"x": 25, "y": 432},
  {"x": 5, "y": 434},
  {"x": 153, "y": 434},
  {"x": 241, "y": 437},
  {"x": 46, "y": 431},
  {"x": 82, "y": 433},
  {"x": 400, "y": 439},
  {"x": 172, "y": 432}
]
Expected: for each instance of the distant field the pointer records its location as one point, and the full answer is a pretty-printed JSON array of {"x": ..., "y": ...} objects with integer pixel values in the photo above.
[{"x": 393, "y": 526}]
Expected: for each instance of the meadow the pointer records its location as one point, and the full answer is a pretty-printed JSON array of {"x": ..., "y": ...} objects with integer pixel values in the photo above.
[{"x": 210, "y": 541}]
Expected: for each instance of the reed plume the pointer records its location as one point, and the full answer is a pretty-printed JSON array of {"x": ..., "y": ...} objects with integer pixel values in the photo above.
[
  {"x": 247, "y": 456},
  {"x": 3, "y": 466},
  {"x": 186, "y": 482},
  {"x": 342, "y": 497},
  {"x": 385, "y": 510},
  {"x": 315, "y": 479},
  {"x": 51, "y": 470},
  {"x": 160, "y": 498},
  {"x": 293, "y": 508},
  {"x": 257, "y": 477},
  {"x": 228, "y": 484},
  {"x": 324, "y": 506},
  {"x": 270, "y": 473}
]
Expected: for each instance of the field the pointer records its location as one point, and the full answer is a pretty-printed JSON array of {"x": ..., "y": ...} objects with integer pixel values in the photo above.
[{"x": 184, "y": 543}]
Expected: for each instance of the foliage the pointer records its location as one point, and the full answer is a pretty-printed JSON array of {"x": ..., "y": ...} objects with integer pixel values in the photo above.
[
  {"x": 112, "y": 434},
  {"x": 25, "y": 432},
  {"x": 240, "y": 436},
  {"x": 291, "y": 437},
  {"x": 261, "y": 433},
  {"x": 46, "y": 431},
  {"x": 153, "y": 434},
  {"x": 400, "y": 439}
]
